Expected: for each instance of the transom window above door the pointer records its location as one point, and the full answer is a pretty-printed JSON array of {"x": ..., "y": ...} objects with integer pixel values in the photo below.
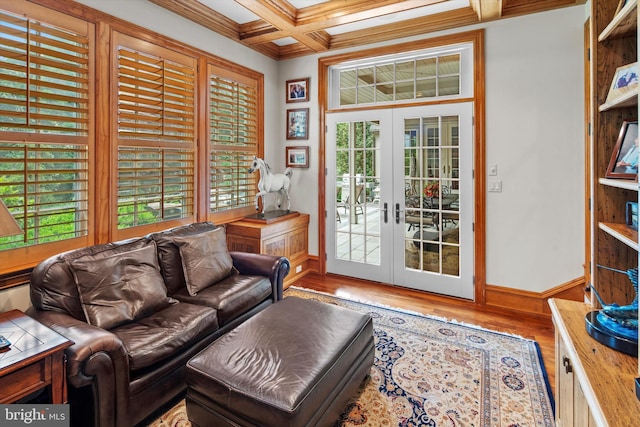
[{"x": 446, "y": 72}]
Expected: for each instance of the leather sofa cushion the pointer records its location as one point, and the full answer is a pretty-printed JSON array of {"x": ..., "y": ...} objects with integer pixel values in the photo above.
[
  {"x": 53, "y": 286},
  {"x": 231, "y": 297},
  {"x": 117, "y": 287},
  {"x": 205, "y": 259},
  {"x": 165, "y": 333},
  {"x": 169, "y": 254}
]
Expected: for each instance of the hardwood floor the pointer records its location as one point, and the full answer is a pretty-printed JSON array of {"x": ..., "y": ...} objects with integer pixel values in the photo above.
[{"x": 535, "y": 328}]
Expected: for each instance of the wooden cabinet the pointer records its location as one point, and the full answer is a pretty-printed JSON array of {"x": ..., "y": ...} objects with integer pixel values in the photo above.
[
  {"x": 34, "y": 361},
  {"x": 285, "y": 236},
  {"x": 594, "y": 383},
  {"x": 571, "y": 406}
]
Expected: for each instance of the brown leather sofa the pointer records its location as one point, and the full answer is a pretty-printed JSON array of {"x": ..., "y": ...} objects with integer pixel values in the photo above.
[{"x": 138, "y": 310}]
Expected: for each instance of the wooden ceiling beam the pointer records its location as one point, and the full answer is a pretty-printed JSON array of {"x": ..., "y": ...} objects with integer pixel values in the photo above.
[
  {"x": 334, "y": 13},
  {"x": 274, "y": 12},
  {"x": 202, "y": 15},
  {"x": 408, "y": 28},
  {"x": 315, "y": 18},
  {"x": 281, "y": 15},
  {"x": 523, "y": 7},
  {"x": 487, "y": 10},
  {"x": 279, "y": 19}
]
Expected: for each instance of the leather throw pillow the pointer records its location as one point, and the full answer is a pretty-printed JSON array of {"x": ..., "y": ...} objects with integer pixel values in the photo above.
[
  {"x": 120, "y": 287},
  {"x": 205, "y": 259}
]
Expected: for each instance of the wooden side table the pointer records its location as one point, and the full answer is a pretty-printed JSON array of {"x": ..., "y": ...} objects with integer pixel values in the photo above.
[
  {"x": 283, "y": 236},
  {"x": 34, "y": 361}
]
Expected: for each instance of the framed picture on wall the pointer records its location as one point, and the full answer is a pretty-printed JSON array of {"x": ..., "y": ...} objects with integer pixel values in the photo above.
[
  {"x": 297, "y": 157},
  {"x": 624, "y": 159},
  {"x": 298, "y": 123},
  {"x": 297, "y": 90}
]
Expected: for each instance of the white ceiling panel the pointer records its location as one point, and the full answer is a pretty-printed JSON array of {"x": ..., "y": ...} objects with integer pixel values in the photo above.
[{"x": 231, "y": 10}]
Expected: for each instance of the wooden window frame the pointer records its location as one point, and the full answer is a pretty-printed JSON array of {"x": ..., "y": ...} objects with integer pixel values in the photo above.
[
  {"x": 256, "y": 81},
  {"x": 42, "y": 132},
  {"x": 252, "y": 133},
  {"x": 153, "y": 141}
]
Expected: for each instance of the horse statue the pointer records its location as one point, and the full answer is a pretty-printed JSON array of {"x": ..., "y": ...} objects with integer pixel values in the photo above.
[{"x": 271, "y": 183}]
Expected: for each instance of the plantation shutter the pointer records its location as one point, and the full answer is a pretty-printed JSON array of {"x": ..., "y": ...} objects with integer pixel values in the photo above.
[
  {"x": 233, "y": 140},
  {"x": 156, "y": 133},
  {"x": 46, "y": 75}
]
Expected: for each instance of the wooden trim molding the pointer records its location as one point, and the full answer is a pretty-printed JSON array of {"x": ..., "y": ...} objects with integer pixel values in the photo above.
[
  {"x": 516, "y": 300},
  {"x": 17, "y": 278}
]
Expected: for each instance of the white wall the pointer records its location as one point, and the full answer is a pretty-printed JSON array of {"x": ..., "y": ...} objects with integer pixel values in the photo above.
[
  {"x": 535, "y": 227},
  {"x": 534, "y": 109}
]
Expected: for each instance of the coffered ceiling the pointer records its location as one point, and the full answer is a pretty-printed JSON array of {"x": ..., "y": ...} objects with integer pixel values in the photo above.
[{"x": 283, "y": 29}]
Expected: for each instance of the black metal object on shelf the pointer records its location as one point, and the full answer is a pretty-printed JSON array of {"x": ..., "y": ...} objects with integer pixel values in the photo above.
[
  {"x": 614, "y": 325},
  {"x": 604, "y": 335}
]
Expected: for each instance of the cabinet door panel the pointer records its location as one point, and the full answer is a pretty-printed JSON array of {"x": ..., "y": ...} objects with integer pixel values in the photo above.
[
  {"x": 564, "y": 386},
  {"x": 275, "y": 246},
  {"x": 298, "y": 243}
]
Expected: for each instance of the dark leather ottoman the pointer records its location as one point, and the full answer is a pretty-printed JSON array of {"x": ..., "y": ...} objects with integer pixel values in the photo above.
[{"x": 296, "y": 363}]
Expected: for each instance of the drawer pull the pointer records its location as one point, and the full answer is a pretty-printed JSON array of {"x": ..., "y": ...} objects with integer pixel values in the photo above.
[{"x": 567, "y": 364}]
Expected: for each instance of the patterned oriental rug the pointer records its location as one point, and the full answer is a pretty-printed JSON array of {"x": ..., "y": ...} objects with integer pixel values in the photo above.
[{"x": 434, "y": 373}]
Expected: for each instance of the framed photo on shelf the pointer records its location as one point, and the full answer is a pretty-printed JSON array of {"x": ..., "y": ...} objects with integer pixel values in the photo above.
[
  {"x": 625, "y": 79},
  {"x": 624, "y": 159},
  {"x": 297, "y": 90},
  {"x": 297, "y": 157},
  {"x": 298, "y": 123}
]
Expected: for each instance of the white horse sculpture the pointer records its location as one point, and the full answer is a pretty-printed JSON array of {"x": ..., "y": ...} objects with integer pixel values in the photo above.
[{"x": 271, "y": 183}]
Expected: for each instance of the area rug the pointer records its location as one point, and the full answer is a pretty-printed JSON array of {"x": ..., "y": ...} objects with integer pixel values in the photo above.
[{"x": 432, "y": 372}]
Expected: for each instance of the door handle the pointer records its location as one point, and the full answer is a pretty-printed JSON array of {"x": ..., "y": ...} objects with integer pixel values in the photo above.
[
  {"x": 397, "y": 213},
  {"x": 386, "y": 213}
]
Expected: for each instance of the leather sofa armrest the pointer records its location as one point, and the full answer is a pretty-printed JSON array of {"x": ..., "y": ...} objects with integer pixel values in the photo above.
[
  {"x": 274, "y": 267},
  {"x": 97, "y": 358}
]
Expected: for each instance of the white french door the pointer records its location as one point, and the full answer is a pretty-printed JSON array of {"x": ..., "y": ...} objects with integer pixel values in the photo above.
[
  {"x": 403, "y": 206},
  {"x": 359, "y": 224}
]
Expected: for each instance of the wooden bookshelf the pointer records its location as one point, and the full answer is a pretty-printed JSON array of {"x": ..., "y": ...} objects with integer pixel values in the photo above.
[{"x": 594, "y": 383}]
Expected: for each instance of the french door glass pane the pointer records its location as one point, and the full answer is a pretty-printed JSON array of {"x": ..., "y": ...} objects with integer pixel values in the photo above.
[
  {"x": 432, "y": 236},
  {"x": 357, "y": 185}
]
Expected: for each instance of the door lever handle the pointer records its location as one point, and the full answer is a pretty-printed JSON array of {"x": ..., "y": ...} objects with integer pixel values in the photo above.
[
  {"x": 397, "y": 213},
  {"x": 386, "y": 213}
]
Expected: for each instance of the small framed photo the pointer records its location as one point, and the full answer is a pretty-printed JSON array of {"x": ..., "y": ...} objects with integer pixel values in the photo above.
[
  {"x": 624, "y": 80},
  {"x": 624, "y": 159},
  {"x": 298, "y": 123},
  {"x": 297, "y": 157},
  {"x": 297, "y": 90},
  {"x": 632, "y": 215}
]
